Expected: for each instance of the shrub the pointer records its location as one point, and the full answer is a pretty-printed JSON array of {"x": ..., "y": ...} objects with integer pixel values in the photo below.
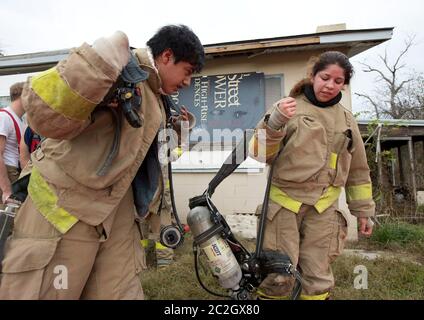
[{"x": 399, "y": 233}]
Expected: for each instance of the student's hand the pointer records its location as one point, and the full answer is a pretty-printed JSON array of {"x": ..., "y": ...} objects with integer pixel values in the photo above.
[
  {"x": 365, "y": 226},
  {"x": 287, "y": 106},
  {"x": 6, "y": 197},
  {"x": 285, "y": 110},
  {"x": 184, "y": 116}
]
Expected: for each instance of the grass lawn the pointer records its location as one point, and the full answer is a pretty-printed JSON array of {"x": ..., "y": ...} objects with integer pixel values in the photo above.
[{"x": 399, "y": 275}]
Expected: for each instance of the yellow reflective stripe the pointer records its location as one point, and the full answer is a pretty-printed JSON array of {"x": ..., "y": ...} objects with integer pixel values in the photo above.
[
  {"x": 45, "y": 201},
  {"x": 263, "y": 296},
  {"x": 315, "y": 297},
  {"x": 167, "y": 184},
  {"x": 160, "y": 246},
  {"x": 178, "y": 151},
  {"x": 253, "y": 146},
  {"x": 284, "y": 200},
  {"x": 333, "y": 160},
  {"x": 361, "y": 192},
  {"x": 272, "y": 149},
  {"x": 269, "y": 149},
  {"x": 56, "y": 93},
  {"x": 328, "y": 198}
]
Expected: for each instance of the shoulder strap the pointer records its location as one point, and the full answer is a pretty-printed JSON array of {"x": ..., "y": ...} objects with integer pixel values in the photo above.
[{"x": 17, "y": 130}]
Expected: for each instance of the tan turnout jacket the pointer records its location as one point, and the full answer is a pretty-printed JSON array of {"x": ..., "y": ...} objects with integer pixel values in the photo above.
[
  {"x": 60, "y": 105},
  {"x": 322, "y": 151}
]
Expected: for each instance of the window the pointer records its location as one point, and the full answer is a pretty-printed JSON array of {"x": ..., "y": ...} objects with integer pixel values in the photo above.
[{"x": 274, "y": 89}]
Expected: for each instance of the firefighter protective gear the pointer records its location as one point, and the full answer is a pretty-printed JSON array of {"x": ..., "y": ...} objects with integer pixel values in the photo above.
[
  {"x": 84, "y": 263},
  {"x": 312, "y": 241},
  {"x": 278, "y": 118},
  {"x": 321, "y": 152},
  {"x": 160, "y": 216},
  {"x": 115, "y": 49},
  {"x": 68, "y": 159},
  {"x": 160, "y": 209},
  {"x": 71, "y": 211},
  {"x": 158, "y": 255}
]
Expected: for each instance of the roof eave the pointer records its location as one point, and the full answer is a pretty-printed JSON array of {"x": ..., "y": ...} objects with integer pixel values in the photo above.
[{"x": 356, "y": 41}]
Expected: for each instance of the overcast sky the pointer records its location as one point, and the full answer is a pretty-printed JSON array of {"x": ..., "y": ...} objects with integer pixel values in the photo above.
[{"x": 32, "y": 26}]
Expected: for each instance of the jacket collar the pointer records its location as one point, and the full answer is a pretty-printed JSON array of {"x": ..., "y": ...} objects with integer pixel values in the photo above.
[
  {"x": 146, "y": 62},
  {"x": 309, "y": 93}
]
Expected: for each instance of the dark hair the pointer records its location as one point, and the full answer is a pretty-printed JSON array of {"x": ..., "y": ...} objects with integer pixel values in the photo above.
[
  {"x": 323, "y": 61},
  {"x": 184, "y": 44},
  {"x": 16, "y": 91}
]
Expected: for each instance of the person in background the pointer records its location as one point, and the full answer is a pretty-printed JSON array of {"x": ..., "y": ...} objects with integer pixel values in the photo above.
[
  {"x": 11, "y": 132},
  {"x": 28, "y": 145},
  {"x": 160, "y": 216},
  {"x": 170, "y": 145}
]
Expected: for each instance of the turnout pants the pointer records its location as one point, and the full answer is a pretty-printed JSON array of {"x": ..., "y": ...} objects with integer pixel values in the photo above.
[
  {"x": 312, "y": 240},
  {"x": 88, "y": 262},
  {"x": 151, "y": 233}
]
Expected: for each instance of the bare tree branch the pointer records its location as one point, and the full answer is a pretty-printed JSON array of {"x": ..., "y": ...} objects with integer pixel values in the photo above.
[
  {"x": 371, "y": 69},
  {"x": 408, "y": 44},
  {"x": 399, "y": 87},
  {"x": 386, "y": 62},
  {"x": 375, "y": 105},
  {"x": 395, "y": 97}
]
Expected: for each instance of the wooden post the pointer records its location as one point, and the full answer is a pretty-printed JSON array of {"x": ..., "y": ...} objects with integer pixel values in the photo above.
[
  {"x": 379, "y": 165},
  {"x": 393, "y": 168},
  {"x": 400, "y": 166},
  {"x": 412, "y": 161}
]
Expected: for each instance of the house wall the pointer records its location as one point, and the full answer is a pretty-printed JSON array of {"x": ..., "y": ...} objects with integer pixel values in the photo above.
[{"x": 292, "y": 64}]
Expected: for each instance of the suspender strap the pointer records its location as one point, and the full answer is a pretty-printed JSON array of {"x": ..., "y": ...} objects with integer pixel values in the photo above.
[{"x": 17, "y": 130}]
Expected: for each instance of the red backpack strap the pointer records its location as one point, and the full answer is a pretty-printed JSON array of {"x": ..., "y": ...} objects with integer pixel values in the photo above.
[{"x": 17, "y": 129}]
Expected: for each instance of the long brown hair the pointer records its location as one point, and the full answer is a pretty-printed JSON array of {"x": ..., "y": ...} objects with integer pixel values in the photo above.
[{"x": 318, "y": 64}]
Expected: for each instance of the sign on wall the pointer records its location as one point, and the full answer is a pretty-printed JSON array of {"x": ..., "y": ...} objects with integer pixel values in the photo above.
[{"x": 230, "y": 102}]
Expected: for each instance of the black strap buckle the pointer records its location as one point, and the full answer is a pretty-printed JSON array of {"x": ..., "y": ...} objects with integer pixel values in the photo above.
[{"x": 130, "y": 102}]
